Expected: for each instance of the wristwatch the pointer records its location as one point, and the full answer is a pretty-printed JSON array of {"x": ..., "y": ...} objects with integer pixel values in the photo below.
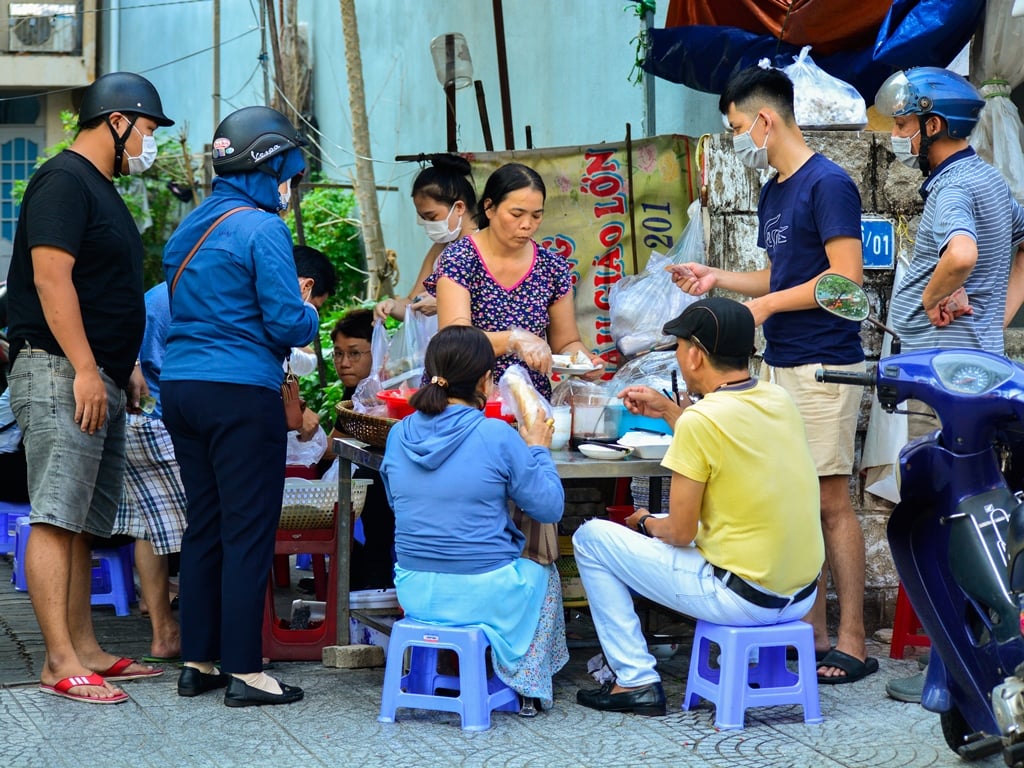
[{"x": 641, "y": 525}]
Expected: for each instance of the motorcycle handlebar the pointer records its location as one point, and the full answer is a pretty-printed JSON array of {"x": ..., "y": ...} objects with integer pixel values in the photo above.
[{"x": 865, "y": 379}]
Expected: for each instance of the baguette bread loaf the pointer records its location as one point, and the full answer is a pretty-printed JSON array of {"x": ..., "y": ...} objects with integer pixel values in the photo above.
[{"x": 527, "y": 403}]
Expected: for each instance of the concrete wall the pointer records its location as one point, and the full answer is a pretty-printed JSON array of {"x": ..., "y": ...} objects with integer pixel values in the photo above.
[
  {"x": 568, "y": 67},
  {"x": 886, "y": 188}
]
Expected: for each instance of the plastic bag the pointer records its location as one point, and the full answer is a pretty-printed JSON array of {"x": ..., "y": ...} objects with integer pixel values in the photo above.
[
  {"x": 642, "y": 304},
  {"x": 364, "y": 399},
  {"x": 652, "y": 370},
  {"x": 821, "y": 100},
  {"x": 517, "y": 393},
  {"x": 303, "y": 453},
  {"x": 691, "y": 245},
  {"x": 403, "y": 360}
]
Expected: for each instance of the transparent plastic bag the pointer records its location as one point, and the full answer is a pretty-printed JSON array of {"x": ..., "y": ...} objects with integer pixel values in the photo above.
[
  {"x": 642, "y": 304},
  {"x": 518, "y": 394},
  {"x": 691, "y": 245},
  {"x": 821, "y": 100},
  {"x": 364, "y": 399},
  {"x": 652, "y": 370},
  {"x": 403, "y": 361},
  {"x": 304, "y": 453}
]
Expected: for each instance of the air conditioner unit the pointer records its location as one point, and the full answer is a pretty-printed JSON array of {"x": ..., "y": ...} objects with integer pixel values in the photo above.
[{"x": 52, "y": 33}]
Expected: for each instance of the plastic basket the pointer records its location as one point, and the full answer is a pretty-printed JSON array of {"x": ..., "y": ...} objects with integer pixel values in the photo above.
[
  {"x": 370, "y": 429},
  {"x": 310, "y": 503},
  {"x": 572, "y": 584}
]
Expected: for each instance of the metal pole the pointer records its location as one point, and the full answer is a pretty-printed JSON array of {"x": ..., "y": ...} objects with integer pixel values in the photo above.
[
  {"x": 506, "y": 100},
  {"x": 649, "y": 80},
  {"x": 481, "y": 107},
  {"x": 632, "y": 207},
  {"x": 449, "y": 89},
  {"x": 216, "y": 63}
]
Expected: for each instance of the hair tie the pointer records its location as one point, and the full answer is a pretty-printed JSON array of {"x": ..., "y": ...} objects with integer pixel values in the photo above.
[{"x": 441, "y": 381}]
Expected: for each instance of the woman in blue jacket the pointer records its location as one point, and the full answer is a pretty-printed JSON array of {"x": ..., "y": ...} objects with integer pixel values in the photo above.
[
  {"x": 236, "y": 312},
  {"x": 449, "y": 473}
]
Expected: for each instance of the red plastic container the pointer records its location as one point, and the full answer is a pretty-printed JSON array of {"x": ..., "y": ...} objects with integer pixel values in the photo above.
[{"x": 397, "y": 402}]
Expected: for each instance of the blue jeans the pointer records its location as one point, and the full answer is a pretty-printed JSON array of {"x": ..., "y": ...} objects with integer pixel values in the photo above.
[
  {"x": 613, "y": 559},
  {"x": 74, "y": 478}
]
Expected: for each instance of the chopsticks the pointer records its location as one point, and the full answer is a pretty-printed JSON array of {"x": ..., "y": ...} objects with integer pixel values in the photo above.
[{"x": 675, "y": 387}]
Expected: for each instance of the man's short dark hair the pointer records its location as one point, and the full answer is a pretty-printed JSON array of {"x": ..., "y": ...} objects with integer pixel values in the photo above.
[
  {"x": 309, "y": 262},
  {"x": 355, "y": 324},
  {"x": 751, "y": 88}
]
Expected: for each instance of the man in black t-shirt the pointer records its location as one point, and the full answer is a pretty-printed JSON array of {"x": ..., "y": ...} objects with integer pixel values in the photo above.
[{"x": 76, "y": 317}]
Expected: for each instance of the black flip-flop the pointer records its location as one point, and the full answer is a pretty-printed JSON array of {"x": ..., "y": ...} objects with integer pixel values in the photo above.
[
  {"x": 791, "y": 654},
  {"x": 854, "y": 668}
]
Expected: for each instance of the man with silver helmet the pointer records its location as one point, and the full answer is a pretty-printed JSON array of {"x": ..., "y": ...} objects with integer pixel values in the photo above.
[
  {"x": 236, "y": 312},
  {"x": 76, "y": 318},
  {"x": 966, "y": 278},
  {"x": 971, "y": 226}
]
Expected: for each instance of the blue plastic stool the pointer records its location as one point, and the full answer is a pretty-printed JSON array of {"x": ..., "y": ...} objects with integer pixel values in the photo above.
[
  {"x": 21, "y": 532},
  {"x": 9, "y": 514},
  {"x": 478, "y": 694},
  {"x": 303, "y": 562},
  {"x": 728, "y": 686},
  {"x": 112, "y": 579}
]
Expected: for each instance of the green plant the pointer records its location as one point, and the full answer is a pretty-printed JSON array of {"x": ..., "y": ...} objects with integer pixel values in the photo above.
[
  {"x": 329, "y": 226},
  {"x": 640, "y": 8}
]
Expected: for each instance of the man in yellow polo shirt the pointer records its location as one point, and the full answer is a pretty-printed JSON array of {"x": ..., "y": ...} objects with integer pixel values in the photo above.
[{"x": 741, "y": 544}]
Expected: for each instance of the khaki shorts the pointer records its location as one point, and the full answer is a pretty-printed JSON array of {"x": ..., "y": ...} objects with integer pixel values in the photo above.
[{"x": 829, "y": 412}]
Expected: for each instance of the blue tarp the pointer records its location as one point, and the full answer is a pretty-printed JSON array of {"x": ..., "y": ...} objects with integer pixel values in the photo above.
[{"x": 914, "y": 33}]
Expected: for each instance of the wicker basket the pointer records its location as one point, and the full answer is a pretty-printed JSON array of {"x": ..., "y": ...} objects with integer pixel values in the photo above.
[
  {"x": 370, "y": 429},
  {"x": 310, "y": 503}
]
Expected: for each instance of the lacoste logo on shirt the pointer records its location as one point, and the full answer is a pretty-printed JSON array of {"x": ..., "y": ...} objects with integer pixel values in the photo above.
[{"x": 774, "y": 236}]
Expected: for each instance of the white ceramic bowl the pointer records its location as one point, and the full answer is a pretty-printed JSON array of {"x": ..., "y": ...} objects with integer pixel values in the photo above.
[
  {"x": 605, "y": 452},
  {"x": 663, "y": 651}
]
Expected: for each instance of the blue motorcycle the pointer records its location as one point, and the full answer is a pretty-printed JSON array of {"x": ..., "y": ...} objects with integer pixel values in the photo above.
[{"x": 957, "y": 535}]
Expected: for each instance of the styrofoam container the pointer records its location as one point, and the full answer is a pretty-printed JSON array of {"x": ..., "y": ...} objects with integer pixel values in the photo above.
[{"x": 646, "y": 445}]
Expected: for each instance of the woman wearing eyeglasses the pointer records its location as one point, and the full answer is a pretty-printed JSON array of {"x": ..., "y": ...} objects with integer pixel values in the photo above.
[{"x": 372, "y": 566}]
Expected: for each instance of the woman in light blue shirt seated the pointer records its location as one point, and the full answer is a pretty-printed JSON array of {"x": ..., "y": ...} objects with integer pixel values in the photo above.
[{"x": 449, "y": 473}]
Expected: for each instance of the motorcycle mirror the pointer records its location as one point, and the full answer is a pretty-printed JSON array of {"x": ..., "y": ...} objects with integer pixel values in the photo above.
[{"x": 841, "y": 296}]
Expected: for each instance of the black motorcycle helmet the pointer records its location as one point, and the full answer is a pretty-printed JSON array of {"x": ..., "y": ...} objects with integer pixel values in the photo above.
[
  {"x": 123, "y": 92},
  {"x": 127, "y": 93},
  {"x": 246, "y": 139}
]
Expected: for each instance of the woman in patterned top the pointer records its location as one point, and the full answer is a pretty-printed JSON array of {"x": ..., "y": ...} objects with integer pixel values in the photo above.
[{"x": 501, "y": 281}]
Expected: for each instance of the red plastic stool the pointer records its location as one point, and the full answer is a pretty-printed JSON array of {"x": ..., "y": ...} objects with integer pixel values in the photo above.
[{"x": 906, "y": 628}]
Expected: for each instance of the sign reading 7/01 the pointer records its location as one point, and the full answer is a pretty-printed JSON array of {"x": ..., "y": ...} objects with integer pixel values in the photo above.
[{"x": 878, "y": 238}]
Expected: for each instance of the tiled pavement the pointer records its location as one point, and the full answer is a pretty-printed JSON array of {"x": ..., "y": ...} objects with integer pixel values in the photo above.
[{"x": 335, "y": 725}]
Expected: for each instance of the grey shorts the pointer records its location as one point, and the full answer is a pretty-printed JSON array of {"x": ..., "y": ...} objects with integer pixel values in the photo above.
[{"x": 74, "y": 478}]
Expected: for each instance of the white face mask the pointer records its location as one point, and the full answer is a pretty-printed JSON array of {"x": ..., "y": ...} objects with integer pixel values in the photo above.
[
  {"x": 901, "y": 148},
  {"x": 143, "y": 162},
  {"x": 438, "y": 230},
  {"x": 748, "y": 152}
]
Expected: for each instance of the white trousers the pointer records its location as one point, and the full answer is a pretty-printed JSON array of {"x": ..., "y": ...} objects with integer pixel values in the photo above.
[{"x": 613, "y": 560}]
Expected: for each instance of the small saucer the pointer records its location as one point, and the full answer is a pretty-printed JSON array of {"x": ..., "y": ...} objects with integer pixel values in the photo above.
[{"x": 606, "y": 452}]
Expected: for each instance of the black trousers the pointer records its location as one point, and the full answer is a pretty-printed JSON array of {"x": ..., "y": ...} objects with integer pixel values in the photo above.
[{"x": 229, "y": 440}]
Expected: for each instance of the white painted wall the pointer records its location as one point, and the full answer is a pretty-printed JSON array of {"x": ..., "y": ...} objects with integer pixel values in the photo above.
[{"x": 568, "y": 62}]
